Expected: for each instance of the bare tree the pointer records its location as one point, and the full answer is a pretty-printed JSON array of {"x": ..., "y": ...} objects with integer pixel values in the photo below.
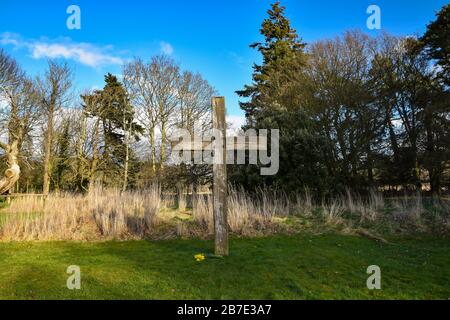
[
  {"x": 339, "y": 76},
  {"x": 128, "y": 131},
  {"x": 167, "y": 75},
  {"x": 17, "y": 102},
  {"x": 194, "y": 102},
  {"x": 153, "y": 91},
  {"x": 53, "y": 90},
  {"x": 194, "y": 115},
  {"x": 140, "y": 83}
]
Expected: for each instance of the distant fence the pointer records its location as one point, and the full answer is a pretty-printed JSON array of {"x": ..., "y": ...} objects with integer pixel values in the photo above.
[
  {"x": 20, "y": 195},
  {"x": 8, "y": 197}
]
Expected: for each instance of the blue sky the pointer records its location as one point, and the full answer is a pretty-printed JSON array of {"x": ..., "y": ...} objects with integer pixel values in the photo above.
[{"x": 208, "y": 36}]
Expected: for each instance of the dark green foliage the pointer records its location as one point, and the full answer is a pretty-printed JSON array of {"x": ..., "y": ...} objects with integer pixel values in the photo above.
[
  {"x": 437, "y": 41},
  {"x": 274, "y": 104},
  {"x": 112, "y": 108},
  {"x": 353, "y": 112},
  {"x": 281, "y": 45},
  {"x": 63, "y": 158}
]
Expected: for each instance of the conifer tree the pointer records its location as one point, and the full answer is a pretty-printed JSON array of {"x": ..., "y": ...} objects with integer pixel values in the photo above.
[
  {"x": 115, "y": 113},
  {"x": 437, "y": 41},
  {"x": 281, "y": 45}
]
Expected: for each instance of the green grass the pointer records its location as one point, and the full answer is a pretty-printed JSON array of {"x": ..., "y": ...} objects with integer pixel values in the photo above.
[{"x": 281, "y": 267}]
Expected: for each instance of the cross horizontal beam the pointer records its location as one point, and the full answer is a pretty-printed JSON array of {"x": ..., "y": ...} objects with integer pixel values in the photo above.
[{"x": 231, "y": 144}]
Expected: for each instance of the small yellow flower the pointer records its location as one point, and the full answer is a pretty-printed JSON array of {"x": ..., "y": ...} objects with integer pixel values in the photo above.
[{"x": 199, "y": 257}]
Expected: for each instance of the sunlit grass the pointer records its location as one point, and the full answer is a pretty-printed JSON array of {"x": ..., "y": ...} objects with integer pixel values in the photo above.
[{"x": 281, "y": 267}]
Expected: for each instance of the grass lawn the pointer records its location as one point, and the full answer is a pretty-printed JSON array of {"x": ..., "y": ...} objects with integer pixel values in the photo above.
[{"x": 281, "y": 267}]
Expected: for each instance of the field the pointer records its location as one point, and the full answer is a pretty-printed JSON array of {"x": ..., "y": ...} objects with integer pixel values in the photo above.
[
  {"x": 140, "y": 245},
  {"x": 329, "y": 266}
]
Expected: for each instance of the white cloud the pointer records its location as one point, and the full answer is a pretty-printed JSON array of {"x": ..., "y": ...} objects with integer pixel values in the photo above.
[
  {"x": 166, "y": 48},
  {"x": 8, "y": 38},
  {"x": 83, "y": 53}
]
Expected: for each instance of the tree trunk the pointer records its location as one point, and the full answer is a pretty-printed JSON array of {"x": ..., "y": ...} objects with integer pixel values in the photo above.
[
  {"x": 12, "y": 174},
  {"x": 433, "y": 163},
  {"x": 370, "y": 167},
  {"x": 47, "y": 155},
  {"x": 127, "y": 159},
  {"x": 435, "y": 181},
  {"x": 163, "y": 143},
  {"x": 153, "y": 149},
  {"x": 80, "y": 157},
  {"x": 95, "y": 157},
  {"x": 416, "y": 170}
]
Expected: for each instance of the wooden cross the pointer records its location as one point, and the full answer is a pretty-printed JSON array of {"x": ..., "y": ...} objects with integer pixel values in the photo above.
[{"x": 220, "y": 183}]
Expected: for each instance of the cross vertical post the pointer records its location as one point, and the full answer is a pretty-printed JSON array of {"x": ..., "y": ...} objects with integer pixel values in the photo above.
[{"x": 220, "y": 184}]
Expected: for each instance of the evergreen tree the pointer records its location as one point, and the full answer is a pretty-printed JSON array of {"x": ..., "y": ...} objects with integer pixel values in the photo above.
[
  {"x": 277, "y": 102},
  {"x": 112, "y": 107},
  {"x": 437, "y": 41},
  {"x": 281, "y": 45}
]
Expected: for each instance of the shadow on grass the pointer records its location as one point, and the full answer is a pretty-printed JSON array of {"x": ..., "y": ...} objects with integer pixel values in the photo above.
[{"x": 296, "y": 267}]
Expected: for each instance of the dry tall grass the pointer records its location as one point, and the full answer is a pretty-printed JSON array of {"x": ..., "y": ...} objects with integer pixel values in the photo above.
[
  {"x": 182, "y": 199},
  {"x": 99, "y": 215},
  {"x": 106, "y": 214}
]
